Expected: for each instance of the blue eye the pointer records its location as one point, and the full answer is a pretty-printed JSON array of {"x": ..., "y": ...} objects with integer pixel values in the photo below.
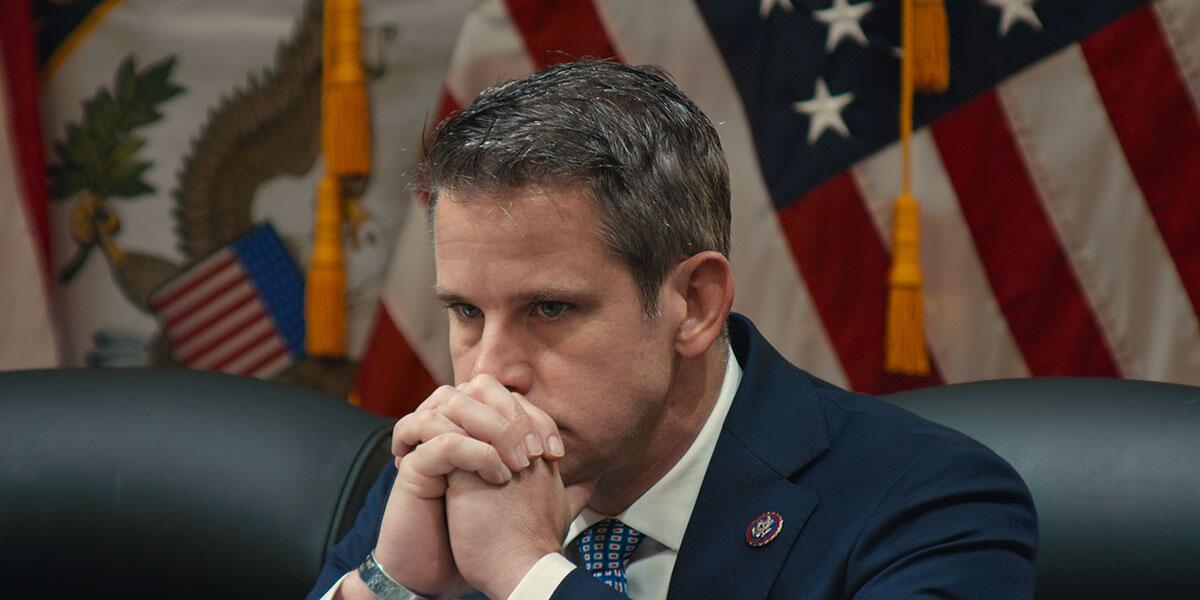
[
  {"x": 551, "y": 309},
  {"x": 466, "y": 311}
]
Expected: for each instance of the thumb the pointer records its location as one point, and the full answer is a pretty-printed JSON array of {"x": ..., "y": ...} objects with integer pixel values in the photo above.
[{"x": 578, "y": 495}]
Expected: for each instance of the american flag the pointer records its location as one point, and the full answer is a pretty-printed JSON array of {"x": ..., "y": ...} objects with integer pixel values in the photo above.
[
  {"x": 240, "y": 310},
  {"x": 1059, "y": 179}
]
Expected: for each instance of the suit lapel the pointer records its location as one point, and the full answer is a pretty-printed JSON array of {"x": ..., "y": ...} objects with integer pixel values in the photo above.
[
  {"x": 774, "y": 428},
  {"x": 715, "y": 561}
]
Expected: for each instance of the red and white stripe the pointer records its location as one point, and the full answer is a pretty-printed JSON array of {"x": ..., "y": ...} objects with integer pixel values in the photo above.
[
  {"x": 216, "y": 321},
  {"x": 1060, "y": 211},
  {"x": 28, "y": 333}
]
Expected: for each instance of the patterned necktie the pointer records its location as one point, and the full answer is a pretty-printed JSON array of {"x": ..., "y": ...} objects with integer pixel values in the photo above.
[{"x": 606, "y": 548}]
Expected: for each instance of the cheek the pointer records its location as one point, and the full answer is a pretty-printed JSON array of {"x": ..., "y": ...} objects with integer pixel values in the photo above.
[{"x": 606, "y": 389}]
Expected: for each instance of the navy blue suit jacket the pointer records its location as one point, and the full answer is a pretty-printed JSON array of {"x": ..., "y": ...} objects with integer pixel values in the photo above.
[{"x": 876, "y": 502}]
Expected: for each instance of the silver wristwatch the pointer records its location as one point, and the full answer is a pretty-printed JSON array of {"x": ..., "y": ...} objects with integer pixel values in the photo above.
[{"x": 381, "y": 584}]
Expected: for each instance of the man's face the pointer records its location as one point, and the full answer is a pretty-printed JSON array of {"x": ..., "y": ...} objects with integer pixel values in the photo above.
[{"x": 535, "y": 301}]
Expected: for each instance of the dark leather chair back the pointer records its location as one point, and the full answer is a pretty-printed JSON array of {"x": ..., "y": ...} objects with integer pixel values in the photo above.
[
  {"x": 174, "y": 484},
  {"x": 1114, "y": 468}
]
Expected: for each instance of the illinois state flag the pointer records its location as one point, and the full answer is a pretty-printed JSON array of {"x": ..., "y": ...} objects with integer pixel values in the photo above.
[
  {"x": 1059, "y": 178},
  {"x": 28, "y": 336}
]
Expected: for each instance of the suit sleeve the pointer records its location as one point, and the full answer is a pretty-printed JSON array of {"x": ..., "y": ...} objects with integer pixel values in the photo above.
[
  {"x": 958, "y": 524},
  {"x": 347, "y": 554},
  {"x": 580, "y": 585}
]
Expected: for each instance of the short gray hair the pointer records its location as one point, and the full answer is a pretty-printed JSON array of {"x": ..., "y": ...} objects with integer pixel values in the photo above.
[{"x": 644, "y": 153}]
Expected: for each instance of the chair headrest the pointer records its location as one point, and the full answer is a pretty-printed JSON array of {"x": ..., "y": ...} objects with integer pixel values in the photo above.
[
  {"x": 1114, "y": 469},
  {"x": 173, "y": 481}
]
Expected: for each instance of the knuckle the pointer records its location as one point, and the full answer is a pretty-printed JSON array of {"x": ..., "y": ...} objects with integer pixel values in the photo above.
[
  {"x": 399, "y": 434},
  {"x": 506, "y": 427},
  {"x": 470, "y": 386},
  {"x": 512, "y": 405},
  {"x": 522, "y": 421},
  {"x": 407, "y": 465},
  {"x": 457, "y": 402},
  {"x": 538, "y": 417},
  {"x": 488, "y": 454},
  {"x": 404, "y": 466},
  {"x": 430, "y": 417},
  {"x": 448, "y": 442},
  {"x": 456, "y": 445},
  {"x": 438, "y": 396}
]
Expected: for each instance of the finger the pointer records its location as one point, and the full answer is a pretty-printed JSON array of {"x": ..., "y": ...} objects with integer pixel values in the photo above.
[
  {"x": 419, "y": 427},
  {"x": 438, "y": 397},
  {"x": 482, "y": 422},
  {"x": 490, "y": 391},
  {"x": 465, "y": 479},
  {"x": 578, "y": 495},
  {"x": 450, "y": 452},
  {"x": 545, "y": 427},
  {"x": 433, "y": 400}
]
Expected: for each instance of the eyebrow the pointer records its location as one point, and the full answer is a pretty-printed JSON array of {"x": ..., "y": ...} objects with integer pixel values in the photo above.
[
  {"x": 551, "y": 294},
  {"x": 449, "y": 297}
]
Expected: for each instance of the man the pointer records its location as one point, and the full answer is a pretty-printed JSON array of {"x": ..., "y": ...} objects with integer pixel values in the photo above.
[{"x": 614, "y": 430}]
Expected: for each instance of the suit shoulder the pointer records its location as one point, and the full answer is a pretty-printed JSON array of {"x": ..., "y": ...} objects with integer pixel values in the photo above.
[
  {"x": 890, "y": 449},
  {"x": 860, "y": 415}
]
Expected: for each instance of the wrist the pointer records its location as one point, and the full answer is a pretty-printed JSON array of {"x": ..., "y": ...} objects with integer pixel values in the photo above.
[
  {"x": 352, "y": 588},
  {"x": 382, "y": 585}
]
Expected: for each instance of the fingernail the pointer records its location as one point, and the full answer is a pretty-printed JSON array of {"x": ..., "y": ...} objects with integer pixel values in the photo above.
[
  {"x": 533, "y": 445},
  {"x": 556, "y": 446},
  {"x": 503, "y": 475},
  {"x": 521, "y": 458}
]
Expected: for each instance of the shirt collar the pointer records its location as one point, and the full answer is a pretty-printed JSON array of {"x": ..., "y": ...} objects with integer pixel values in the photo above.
[{"x": 663, "y": 511}]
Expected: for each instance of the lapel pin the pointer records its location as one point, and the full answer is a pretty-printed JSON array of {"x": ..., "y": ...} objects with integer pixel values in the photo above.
[{"x": 764, "y": 529}]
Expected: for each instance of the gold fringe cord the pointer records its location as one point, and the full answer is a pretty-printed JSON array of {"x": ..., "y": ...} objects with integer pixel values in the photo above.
[
  {"x": 930, "y": 47},
  {"x": 325, "y": 289},
  {"x": 904, "y": 346},
  {"x": 345, "y": 131}
]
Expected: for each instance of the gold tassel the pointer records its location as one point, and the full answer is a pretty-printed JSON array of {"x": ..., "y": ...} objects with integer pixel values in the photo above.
[
  {"x": 930, "y": 47},
  {"x": 345, "y": 133},
  {"x": 904, "y": 349},
  {"x": 325, "y": 289},
  {"x": 906, "y": 313}
]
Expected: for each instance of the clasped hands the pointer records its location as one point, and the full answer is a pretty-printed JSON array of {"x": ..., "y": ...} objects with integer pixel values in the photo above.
[{"x": 478, "y": 498}]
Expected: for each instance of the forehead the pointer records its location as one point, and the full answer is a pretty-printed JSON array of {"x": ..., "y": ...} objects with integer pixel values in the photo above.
[{"x": 522, "y": 233}]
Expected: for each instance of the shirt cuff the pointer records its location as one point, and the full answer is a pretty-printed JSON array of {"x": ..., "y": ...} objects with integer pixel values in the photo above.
[
  {"x": 543, "y": 578},
  {"x": 333, "y": 590}
]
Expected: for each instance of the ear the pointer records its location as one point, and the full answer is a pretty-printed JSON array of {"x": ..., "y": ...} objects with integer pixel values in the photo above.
[{"x": 704, "y": 282}]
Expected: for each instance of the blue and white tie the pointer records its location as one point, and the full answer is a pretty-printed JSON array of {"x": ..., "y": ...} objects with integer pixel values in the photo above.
[{"x": 606, "y": 548}]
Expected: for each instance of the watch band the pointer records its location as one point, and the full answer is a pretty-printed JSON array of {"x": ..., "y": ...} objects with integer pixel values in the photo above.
[{"x": 381, "y": 584}]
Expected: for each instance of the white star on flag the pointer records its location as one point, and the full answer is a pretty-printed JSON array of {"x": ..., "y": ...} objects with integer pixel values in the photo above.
[
  {"x": 765, "y": 8},
  {"x": 843, "y": 20},
  {"x": 1013, "y": 11},
  {"x": 824, "y": 111}
]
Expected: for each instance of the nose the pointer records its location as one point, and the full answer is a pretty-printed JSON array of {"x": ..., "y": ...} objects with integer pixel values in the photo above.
[{"x": 501, "y": 353}]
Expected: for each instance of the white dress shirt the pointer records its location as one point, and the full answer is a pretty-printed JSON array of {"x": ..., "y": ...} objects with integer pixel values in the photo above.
[{"x": 662, "y": 514}]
